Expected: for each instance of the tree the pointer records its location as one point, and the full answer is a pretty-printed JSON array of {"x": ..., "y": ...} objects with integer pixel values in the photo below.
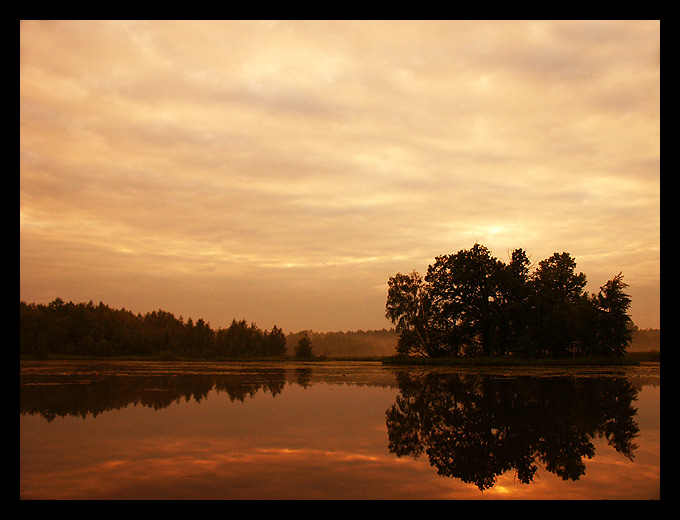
[
  {"x": 557, "y": 291},
  {"x": 274, "y": 343},
  {"x": 239, "y": 340},
  {"x": 303, "y": 349},
  {"x": 465, "y": 291},
  {"x": 409, "y": 308},
  {"x": 584, "y": 326},
  {"x": 555, "y": 276},
  {"x": 613, "y": 332},
  {"x": 512, "y": 313}
]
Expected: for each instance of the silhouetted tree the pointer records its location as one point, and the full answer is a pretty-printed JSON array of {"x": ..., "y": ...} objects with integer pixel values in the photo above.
[
  {"x": 557, "y": 291},
  {"x": 239, "y": 340},
  {"x": 303, "y": 349},
  {"x": 274, "y": 342},
  {"x": 511, "y": 319},
  {"x": 613, "y": 331},
  {"x": 465, "y": 289},
  {"x": 410, "y": 308}
]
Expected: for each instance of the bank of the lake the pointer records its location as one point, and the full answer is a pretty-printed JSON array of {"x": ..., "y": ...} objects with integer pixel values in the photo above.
[{"x": 630, "y": 359}]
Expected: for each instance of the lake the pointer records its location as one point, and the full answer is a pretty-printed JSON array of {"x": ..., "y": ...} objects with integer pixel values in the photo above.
[{"x": 336, "y": 430}]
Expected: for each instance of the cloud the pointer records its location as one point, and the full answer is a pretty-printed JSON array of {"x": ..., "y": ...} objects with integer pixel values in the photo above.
[{"x": 229, "y": 150}]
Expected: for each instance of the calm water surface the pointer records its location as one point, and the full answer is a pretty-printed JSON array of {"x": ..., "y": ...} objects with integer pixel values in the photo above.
[{"x": 336, "y": 430}]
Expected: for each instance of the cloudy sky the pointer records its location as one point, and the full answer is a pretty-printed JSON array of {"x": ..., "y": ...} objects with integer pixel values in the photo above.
[{"x": 281, "y": 172}]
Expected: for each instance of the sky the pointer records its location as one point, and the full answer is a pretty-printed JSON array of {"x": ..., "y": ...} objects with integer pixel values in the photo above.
[{"x": 281, "y": 171}]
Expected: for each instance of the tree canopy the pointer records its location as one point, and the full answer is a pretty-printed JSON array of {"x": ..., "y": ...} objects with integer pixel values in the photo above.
[
  {"x": 303, "y": 349},
  {"x": 472, "y": 303}
]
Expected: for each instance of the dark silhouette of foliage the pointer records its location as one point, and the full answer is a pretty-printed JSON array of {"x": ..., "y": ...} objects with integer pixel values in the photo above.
[
  {"x": 409, "y": 306},
  {"x": 303, "y": 349},
  {"x": 471, "y": 303},
  {"x": 465, "y": 290},
  {"x": 613, "y": 331},
  {"x": 51, "y": 395},
  {"x": 67, "y": 329},
  {"x": 476, "y": 427}
]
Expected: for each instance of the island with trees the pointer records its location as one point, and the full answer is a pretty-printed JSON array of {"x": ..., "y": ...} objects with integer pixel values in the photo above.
[{"x": 472, "y": 304}]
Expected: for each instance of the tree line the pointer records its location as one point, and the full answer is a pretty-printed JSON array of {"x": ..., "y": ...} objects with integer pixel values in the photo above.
[
  {"x": 472, "y": 303},
  {"x": 60, "y": 328}
]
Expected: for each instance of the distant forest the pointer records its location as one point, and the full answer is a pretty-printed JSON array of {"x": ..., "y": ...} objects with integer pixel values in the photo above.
[{"x": 85, "y": 329}]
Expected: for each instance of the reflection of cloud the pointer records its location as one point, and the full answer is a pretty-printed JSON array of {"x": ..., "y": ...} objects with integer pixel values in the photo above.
[
  {"x": 209, "y": 144},
  {"x": 302, "y": 443},
  {"x": 218, "y": 470}
]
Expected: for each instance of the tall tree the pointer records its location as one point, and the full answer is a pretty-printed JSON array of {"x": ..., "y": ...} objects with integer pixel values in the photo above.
[
  {"x": 409, "y": 308},
  {"x": 465, "y": 291},
  {"x": 512, "y": 313},
  {"x": 557, "y": 292},
  {"x": 614, "y": 333},
  {"x": 274, "y": 343},
  {"x": 303, "y": 349}
]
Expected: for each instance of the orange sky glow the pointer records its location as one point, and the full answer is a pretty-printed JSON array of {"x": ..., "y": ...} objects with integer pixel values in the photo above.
[{"x": 281, "y": 172}]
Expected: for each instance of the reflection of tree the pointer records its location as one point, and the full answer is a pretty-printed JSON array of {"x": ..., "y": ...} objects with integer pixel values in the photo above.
[
  {"x": 55, "y": 389},
  {"x": 57, "y": 396},
  {"x": 475, "y": 427},
  {"x": 304, "y": 376}
]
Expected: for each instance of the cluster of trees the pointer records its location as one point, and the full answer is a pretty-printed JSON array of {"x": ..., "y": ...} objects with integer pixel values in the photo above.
[
  {"x": 471, "y": 303},
  {"x": 61, "y": 328}
]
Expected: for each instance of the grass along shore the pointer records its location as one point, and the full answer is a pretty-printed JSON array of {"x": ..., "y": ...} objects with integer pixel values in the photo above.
[{"x": 629, "y": 359}]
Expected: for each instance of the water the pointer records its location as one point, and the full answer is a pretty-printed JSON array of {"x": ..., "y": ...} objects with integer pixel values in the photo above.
[{"x": 336, "y": 430}]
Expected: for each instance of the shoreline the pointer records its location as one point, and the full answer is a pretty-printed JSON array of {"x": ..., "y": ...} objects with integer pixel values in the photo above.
[{"x": 629, "y": 359}]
